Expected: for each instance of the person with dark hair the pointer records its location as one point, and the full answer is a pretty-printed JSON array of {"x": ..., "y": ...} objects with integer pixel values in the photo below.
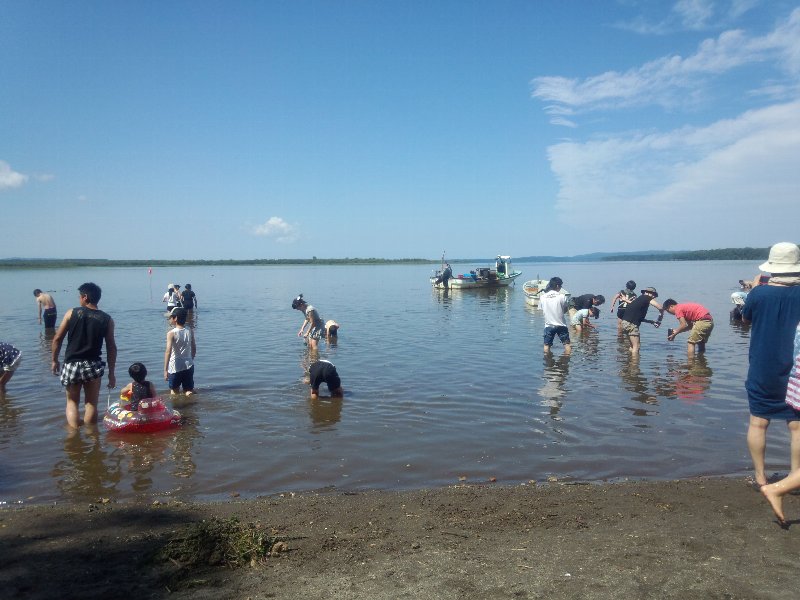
[
  {"x": 179, "y": 355},
  {"x": 585, "y": 301},
  {"x": 86, "y": 328},
  {"x": 10, "y": 358},
  {"x": 47, "y": 308},
  {"x": 323, "y": 371},
  {"x": 172, "y": 297},
  {"x": 635, "y": 314},
  {"x": 139, "y": 389},
  {"x": 692, "y": 316},
  {"x": 553, "y": 303},
  {"x": 773, "y": 310},
  {"x": 581, "y": 318},
  {"x": 316, "y": 326},
  {"x": 622, "y": 299},
  {"x": 188, "y": 297}
]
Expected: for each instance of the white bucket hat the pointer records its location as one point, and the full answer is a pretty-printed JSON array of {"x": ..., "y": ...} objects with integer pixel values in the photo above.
[{"x": 784, "y": 257}]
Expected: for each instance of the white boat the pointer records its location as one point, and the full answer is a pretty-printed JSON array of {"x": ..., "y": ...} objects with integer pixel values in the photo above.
[
  {"x": 480, "y": 277},
  {"x": 534, "y": 288}
]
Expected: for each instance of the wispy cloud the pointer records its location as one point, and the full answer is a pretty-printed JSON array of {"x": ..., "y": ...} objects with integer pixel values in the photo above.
[
  {"x": 730, "y": 171},
  {"x": 10, "y": 178},
  {"x": 690, "y": 15},
  {"x": 276, "y": 228},
  {"x": 671, "y": 81}
]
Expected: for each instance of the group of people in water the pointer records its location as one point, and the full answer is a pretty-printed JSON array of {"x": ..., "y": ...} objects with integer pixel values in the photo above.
[
  {"x": 631, "y": 313},
  {"x": 771, "y": 308}
]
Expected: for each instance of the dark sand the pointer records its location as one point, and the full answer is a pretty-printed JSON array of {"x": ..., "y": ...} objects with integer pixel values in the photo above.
[{"x": 703, "y": 539}]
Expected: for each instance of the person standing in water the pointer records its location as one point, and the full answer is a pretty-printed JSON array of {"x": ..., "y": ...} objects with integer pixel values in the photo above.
[
  {"x": 622, "y": 299},
  {"x": 86, "y": 328},
  {"x": 315, "y": 324},
  {"x": 47, "y": 308},
  {"x": 554, "y": 304}
]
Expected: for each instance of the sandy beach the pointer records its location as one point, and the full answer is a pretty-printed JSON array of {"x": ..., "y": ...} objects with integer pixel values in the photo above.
[{"x": 702, "y": 538}]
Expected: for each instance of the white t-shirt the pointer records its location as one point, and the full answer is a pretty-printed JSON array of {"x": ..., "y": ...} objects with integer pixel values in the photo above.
[
  {"x": 553, "y": 305},
  {"x": 181, "y": 357}
]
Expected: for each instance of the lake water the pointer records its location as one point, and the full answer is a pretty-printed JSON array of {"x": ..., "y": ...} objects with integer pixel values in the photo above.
[{"x": 436, "y": 388}]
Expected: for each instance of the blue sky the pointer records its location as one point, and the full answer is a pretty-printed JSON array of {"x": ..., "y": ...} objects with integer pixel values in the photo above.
[{"x": 201, "y": 130}]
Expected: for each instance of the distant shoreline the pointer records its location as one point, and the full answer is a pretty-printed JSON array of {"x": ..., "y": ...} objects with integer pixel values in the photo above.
[{"x": 754, "y": 254}]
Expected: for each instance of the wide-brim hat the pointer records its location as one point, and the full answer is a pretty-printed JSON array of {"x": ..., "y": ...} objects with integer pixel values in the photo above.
[
  {"x": 784, "y": 257},
  {"x": 177, "y": 311},
  {"x": 650, "y": 290}
]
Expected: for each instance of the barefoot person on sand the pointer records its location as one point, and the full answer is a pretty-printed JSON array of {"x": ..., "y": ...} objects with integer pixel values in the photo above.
[
  {"x": 776, "y": 491},
  {"x": 774, "y": 311}
]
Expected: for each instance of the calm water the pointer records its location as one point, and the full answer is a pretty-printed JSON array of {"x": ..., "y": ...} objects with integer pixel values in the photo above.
[{"x": 437, "y": 387}]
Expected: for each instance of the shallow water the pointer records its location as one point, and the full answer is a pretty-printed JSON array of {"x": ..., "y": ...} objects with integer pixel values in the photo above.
[{"x": 436, "y": 388}]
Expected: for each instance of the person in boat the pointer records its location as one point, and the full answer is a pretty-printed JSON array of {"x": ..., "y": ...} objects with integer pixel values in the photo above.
[
  {"x": 554, "y": 304},
  {"x": 315, "y": 324},
  {"x": 139, "y": 389},
  {"x": 47, "y": 308},
  {"x": 635, "y": 314},
  {"x": 10, "y": 358},
  {"x": 692, "y": 316},
  {"x": 179, "y": 355},
  {"x": 86, "y": 328},
  {"x": 323, "y": 371},
  {"x": 581, "y": 318},
  {"x": 773, "y": 310},
  {"x": 188, "y": 297},
  {"x": 445, "y": 275},
  {"x": 585, "y": 301},
  {"x": 622, "y": 299}
]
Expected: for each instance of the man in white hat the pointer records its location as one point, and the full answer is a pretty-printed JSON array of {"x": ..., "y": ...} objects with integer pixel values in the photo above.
[{"x": 774, "y": 311}]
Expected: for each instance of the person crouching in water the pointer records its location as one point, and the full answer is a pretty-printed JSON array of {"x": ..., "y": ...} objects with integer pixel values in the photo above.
[
  {"x": 316, "y": 327},
  {"x": 323, "y": 371},
  {"x": 581, "y": 318},
  {"x": 179, "y": 355},
  {"x": 139, "y": 389}
]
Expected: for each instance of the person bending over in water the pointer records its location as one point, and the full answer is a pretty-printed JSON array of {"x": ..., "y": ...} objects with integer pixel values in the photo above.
[
  {"x": 331, "y": 330},
  {"x": 581, "y": 318},
  {"x": 316, "y": 327},
  {"x": 10, "y": 358},
  {"x": 139, "y": 389},
  {"x": 323, "y": 371},
  {"x": 47, "y": 308}
]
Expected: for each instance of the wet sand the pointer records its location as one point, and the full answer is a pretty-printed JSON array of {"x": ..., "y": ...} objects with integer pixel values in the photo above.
[{"x": 702, "y": 538}]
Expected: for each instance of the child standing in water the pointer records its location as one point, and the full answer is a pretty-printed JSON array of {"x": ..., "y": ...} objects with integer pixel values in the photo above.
[
  {"x": 622, "y": 299},
  {"x": 775, "y": 492},
  {"x": 139, "y": 389},
  {"x": 179, "y": 355},
  {"x": 316, "y": 327}
]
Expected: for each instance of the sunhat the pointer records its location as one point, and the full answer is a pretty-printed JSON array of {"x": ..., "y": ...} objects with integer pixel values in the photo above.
[
  {"x": 784, "y": 257},
  {"x": 650, "y": 290}
]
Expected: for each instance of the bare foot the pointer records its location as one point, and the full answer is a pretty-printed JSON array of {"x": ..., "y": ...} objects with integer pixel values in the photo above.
[{"x": 775, "y": 498}]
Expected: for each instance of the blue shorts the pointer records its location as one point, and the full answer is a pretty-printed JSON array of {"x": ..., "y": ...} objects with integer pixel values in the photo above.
[
  {"x": 550, "y": 333},
  {"x": 183, "y": 378}
]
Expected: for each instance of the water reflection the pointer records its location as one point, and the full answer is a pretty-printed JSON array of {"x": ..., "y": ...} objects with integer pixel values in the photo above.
[
  {"x": 635, "y": 382},
  {"x": 741, "y": 328},
  {"x": 10, "y": 414},
  {"x": 691, "y": 381},
  {"x": 554, "y": 378},
  {"x": 138, "y": 454},
  {"x": 325, "y": 413},
  {"x": 86, "y": 470}
]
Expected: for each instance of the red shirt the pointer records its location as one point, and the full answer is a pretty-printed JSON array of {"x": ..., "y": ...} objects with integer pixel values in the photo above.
[{"x": 691, "y": 311}]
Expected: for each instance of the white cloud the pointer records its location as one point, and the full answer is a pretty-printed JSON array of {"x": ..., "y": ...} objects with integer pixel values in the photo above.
[
  {"x": 689, "y": 184},
  {"x": 10, "y": 178},
  {"x": 690, "y": 15},
  {"x": 694, "y": 14},
  {"x": 672, "y": 80},
  {"x": 276, "y": 228}
]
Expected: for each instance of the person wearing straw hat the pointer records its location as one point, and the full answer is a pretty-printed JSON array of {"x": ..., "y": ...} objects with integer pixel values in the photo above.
[{"x": 774, "y": 312}]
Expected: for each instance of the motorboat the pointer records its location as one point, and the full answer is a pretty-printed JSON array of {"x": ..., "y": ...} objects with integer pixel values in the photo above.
[
  {"x": 534, "y": 288},
  {"x": 480, "y": 277}
]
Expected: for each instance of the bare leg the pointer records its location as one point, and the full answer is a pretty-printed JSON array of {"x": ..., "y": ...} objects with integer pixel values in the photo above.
[
  {"x": 73, "y": 403},
  {"x": 4, "y": 379},
  {"x": 774, "y": 492},
  {"x": 91, "y": 392},
  {"x": 690, "y": 348},
  {"x": 757, "y": 444},
  {"x": 619, "y": 326},
  {"x": 546, "y": 349},
  {"x": 794, "y": 432},
  {"x": 634, "y": 340},
  {"x": 567, "y": 348}
]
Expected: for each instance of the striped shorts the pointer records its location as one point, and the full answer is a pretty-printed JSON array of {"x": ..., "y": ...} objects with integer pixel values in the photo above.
[{"x": 80, "y": 371}]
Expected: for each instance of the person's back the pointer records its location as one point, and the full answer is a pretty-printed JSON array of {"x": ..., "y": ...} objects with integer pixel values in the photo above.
[
  {"x": 188, "y": 297},
  {"x": 553, "y": 304},
  {"x": 85, "y": 334},
  {"x": 323, "y": 371},
  {"x": 636, "y": 311}
]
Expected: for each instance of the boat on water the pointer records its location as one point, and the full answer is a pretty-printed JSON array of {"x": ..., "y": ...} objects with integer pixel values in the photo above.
[
  {"x": 534, "y": 288},
  {"x": 481, "y": 277}
]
